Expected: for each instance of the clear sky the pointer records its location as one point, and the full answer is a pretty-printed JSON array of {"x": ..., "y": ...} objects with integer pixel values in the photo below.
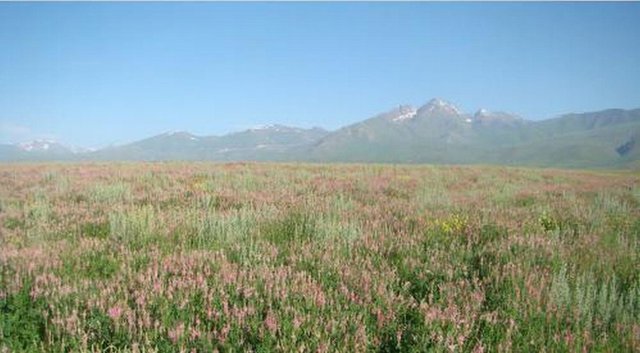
[{"x": 91, "y": 74}]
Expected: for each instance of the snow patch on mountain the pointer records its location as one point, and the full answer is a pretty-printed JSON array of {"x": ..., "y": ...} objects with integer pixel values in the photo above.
[
  {"x": 37, "y": 145},
  {"x": 485, "y": 115},
  {"x": 405, "y": 113},
  {"x": 268, "y": 127},
  {"x": 439, "y": 105},
  {"x": 275, "y": 128}
]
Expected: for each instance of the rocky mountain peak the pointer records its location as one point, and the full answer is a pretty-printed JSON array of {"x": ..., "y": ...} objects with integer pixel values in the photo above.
[{"x": 440, "y": 107}]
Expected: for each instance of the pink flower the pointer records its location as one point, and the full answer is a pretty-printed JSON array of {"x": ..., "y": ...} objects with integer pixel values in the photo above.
[
  {"x": 114, "y": 312},
  {"x": 380, "y": 319},
  {"x": 320, "y": 300},
  {"x": 195, "y": 334},
  {"x": 271, "y": 322},
  {"x": 224, "y": 333},
  {"x": 176, "y": 333},
  {"x": 297, "y": 322}
]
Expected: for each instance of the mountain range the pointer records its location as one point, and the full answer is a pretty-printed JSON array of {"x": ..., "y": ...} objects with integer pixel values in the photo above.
[{"x": 437, "y": 132}]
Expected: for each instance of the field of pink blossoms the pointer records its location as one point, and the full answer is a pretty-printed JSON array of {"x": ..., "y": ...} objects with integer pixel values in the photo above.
[{"x": 202, "y": 257}]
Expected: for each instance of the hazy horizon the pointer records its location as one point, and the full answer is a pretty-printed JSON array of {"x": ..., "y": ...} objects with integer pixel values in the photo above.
[{"x": 95, "y": 74}]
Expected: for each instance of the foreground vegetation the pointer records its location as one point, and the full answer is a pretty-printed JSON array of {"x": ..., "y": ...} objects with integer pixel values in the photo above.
[{"x": 317, "y": 258}]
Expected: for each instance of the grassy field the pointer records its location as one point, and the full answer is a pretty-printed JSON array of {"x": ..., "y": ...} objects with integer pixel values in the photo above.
[{"x": 199, "y": 257}]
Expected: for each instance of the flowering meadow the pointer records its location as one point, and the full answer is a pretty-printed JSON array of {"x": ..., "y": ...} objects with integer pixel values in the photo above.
[{"x": 251, "y": 257}]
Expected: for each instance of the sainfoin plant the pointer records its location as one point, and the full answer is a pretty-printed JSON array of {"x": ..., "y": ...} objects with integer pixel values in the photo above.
[{"x": 239, "y": 257}]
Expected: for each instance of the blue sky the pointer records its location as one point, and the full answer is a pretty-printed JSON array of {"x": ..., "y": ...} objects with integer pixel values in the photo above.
[{"x": 91, "y": 74}]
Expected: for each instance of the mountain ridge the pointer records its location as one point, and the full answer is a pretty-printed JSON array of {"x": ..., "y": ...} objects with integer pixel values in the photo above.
[{"x": 436, "y": 132}]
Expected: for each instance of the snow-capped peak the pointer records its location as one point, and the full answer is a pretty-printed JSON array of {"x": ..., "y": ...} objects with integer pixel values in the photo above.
[
  {"x": 177, "y": 133},
  {"x": 51, "y": 146},
  {"x": 405, "y": 113},
  {"x": 439, "y": 105},
  {"x": 274, "y": 127},
  {"x": 264, "y": 127},
  {"x": 37, "y": 145}
]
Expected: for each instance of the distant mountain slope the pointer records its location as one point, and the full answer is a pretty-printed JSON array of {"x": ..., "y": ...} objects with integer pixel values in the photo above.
[
  {"x": 579, "y": 141},
  {"x": 437, "y": 132},
  {"x": 38, "y": 150},
  {"x": 167, "y": 146},
  {"x": 270, "y": 142}
]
